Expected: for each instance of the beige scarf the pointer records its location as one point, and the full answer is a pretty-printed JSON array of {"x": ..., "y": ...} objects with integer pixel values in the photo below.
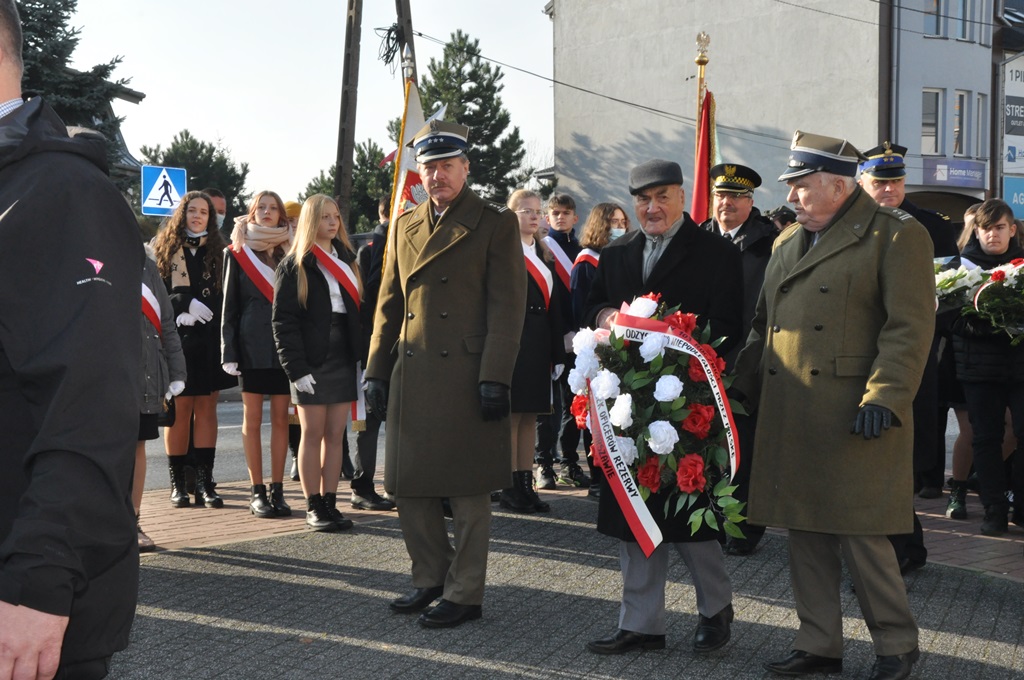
[
  {"x": 258, "y": 237},
  {"x": 179, "y": 270}
]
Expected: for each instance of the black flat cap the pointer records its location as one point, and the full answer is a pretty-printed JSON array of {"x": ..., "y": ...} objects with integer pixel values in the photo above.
[{"x": 654, "y": 173}]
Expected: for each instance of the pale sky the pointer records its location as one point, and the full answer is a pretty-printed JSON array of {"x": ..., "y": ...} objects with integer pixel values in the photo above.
[{"x": 264, "y": 78}]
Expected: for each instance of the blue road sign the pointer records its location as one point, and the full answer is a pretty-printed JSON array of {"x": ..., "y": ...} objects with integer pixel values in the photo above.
[
  {"x": 162, "y": 189},
  {"x": 1013, "y": 193}
]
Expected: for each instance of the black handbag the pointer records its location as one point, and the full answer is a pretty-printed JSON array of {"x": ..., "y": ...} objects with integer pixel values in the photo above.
[{"x": 165, "y": 418}]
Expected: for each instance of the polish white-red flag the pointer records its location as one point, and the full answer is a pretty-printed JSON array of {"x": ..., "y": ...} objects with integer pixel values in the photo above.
[{"x": 408, "y": 189}]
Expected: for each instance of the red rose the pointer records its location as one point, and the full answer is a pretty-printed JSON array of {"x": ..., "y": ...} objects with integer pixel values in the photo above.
[
  {"x": 696, "y": 371},
  {"x": 690, "y": 474},
  {"x": 649, "y": 474},
  {"x": 652, "y": 296},
  {"x": 579, "y": 408},
  {"x": 684, "y": 322},
  {"x": 1017, "y": 261},
  {"x": 998, "y": 275},
  {"x": 699, "y": 421}
]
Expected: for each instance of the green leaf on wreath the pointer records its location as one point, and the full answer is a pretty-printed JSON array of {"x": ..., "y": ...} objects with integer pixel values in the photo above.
[
  {"x": 737, "y": 408},
  {"x": 709, "y": 518},
  {"x": 718, "y": 342},
  {"x": 696, "y": 518},
  {"x": 681, "y": 503},
  {"x": 656, "y": 363},
  {"x": 645, "y": 493},
  {"x": 672, "y": 462},
  {"x": 733, "y": 530},
  {"x": 719, "y": 456},
  {"x": 642, "y": 382},
  {"x": 726, "y": 501}
]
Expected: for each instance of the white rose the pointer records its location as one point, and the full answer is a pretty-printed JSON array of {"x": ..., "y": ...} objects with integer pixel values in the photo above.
[
  {"x": 643, "y": 307},
  {"x": 662, "y": 438},
  {"x": 577, "y": 381},
  {"x": 653, "y": 346},
  {"x": 584, "y": 341},
  {"x": 627, "y": 449},
  {"x": 587, "y": 364},
  {"x": 668, "y": 388},
  {"x": 622, "y": 411},
  {"x": 605, "y": 385}
]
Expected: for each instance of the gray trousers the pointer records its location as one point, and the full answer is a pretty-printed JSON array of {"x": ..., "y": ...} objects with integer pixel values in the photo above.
[
  {"x": 815, "y": 565},
  {"x": 643, "y": 583},
  {"x": 461, "y": 568}
]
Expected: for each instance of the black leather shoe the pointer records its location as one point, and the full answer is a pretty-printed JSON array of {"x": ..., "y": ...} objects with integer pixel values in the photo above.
[
  {"x": 417, "y": 600},
  {"x": 805, "y": 663},
  {"x": 626, "y": 641},
  {"x": 740, "y": 547},
  {"x": 713, "y": 632},
  {"x": 449, "y": 614},
  {"x": 371, "y": 500},
  {"x": 895, "y": 667},
  {"x": 908, "y": 565}
]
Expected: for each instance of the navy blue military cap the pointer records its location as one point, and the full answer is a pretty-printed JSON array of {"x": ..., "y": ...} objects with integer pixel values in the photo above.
[
  {"x": 885, "y": 161},
  {"x": 734, "y": 179},
  {"x": 654, "y": 173},
  {"x": 810, "y": 153},
  {"x": 440, "y": 139}
]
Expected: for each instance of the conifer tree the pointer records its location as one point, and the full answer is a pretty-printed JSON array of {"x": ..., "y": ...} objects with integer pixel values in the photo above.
[{"x": 369, "y": 183}]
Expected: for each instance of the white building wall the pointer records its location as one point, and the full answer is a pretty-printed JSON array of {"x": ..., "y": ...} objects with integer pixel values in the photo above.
[{"x": 774, "y": 68}]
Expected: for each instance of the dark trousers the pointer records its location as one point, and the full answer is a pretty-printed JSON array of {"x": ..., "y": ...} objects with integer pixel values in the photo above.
[
  {"x": 364, "y": 465},
  {"x": 929, "y": 454},
  {"x": 559, "y": 427},
  {"x": 986, "y": 407},
  {"x": 84, "y": 670},
  {"x": 746, "y": 429},
  {"x": 910, "y": 546}
]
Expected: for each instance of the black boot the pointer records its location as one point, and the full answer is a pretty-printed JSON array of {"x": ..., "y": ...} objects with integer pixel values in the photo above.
[
  {"x": 995, "y": 521},
  {"x": 525, "y": 479},
  {"x": 259, "y": 505},
  {"x": 514, "y": 498},
  {"x": 331, "y": 505},
  {"x": 317, "y": 517},
  {"x": 957, "y": 506},
  {"x": 281, "y": 509},
  {"x": 176, "y": 466},
  {"x": 205, "y": 493}
]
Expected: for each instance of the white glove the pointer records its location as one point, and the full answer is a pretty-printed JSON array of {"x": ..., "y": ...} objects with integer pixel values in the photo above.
[
  {"x": 174, "y": 389},
  {"x": 304, "y": 384},
  {"x": 185, "y": 319},
  {"x": 567, "y": 340},
  {"x": 556, "y": 373},
  {"x": 231, "y": 368},
  {"x": 200, "y": 311}
]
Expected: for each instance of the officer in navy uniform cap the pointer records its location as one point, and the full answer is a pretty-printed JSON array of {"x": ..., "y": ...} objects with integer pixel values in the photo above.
[
  {"x": 883, "y": 177},
  {"x": 738, "y": 220}
]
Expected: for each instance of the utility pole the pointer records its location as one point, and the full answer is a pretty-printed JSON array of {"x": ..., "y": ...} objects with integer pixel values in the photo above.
[
  {"x": 405, "y": 34},
  {"x": 347, "y": 123}
]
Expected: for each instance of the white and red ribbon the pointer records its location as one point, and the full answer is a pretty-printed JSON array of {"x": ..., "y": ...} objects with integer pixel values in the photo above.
[
  {"x": 340, "y": 271},
  {"x": 538, "y": 271},
  {"x": 260, "y": 274},
  {"x": 563, "y": 265},
  {"x": 636, "y": 329},
  {"x": 358, "y": 407},
  {"x": 151, "y": 308},
  {"x": 588, "y": 255}
]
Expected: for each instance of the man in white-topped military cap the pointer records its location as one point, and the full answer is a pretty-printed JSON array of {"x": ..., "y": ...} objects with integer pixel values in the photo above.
[
  {"x": 841, "y": 332},
  {"x": 445, "y": 340}
]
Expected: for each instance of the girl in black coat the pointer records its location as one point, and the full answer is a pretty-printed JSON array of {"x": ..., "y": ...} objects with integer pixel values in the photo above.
[
  {"x": 991, "y": 372},
  {"x": 541, "y": 354},
  {"x": 318, "y": 334},
  {"x": 189, "y": 254},
  {"x": 258, "y": 244}
]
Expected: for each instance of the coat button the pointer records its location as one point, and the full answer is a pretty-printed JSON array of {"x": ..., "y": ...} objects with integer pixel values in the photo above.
[
  {"x": 410, "y": 315},
  {"x": 444, "y": 315},
  {"x": 444, "y": 279},
  {"x": 824, "y": 289},
  {"x": 444, "y": 353},
  {"x": 776, "y": 328},
  {"x": 771, "y": 371},
  {"x": 784, "y": 289},
  {"x": 818, "y": 326},
  {"x": 408, "y": 352},
  {"x": 412, "y": 279},
  {"x": 815, "y": 371}
]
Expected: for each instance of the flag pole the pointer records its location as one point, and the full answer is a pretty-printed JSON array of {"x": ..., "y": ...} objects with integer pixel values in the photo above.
[{"x": 703, "y": 41}]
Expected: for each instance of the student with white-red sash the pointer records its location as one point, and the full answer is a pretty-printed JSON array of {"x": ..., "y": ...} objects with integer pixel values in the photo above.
[
  {"x": 541, "y": 356},
  {"x": 316, "y": 323},
  {"x": 259, "y": 242}
]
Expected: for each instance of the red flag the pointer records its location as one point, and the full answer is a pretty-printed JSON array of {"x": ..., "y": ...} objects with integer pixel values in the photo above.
[{"x": 700, "y": 199}]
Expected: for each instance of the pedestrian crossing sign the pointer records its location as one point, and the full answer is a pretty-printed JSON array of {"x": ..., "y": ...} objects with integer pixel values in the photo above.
[{"x": 162, "y": 189}]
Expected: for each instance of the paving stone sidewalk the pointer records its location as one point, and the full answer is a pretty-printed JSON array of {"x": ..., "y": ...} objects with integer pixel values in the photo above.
[{"x": 304, "y": 605}]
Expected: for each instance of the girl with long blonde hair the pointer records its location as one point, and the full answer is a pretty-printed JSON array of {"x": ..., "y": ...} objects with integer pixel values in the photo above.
[{"x": 319, "y": 341}]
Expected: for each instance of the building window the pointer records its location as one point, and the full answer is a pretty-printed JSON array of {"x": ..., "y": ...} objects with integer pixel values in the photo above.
[
  {"x": 984, "y": 13},
  {"x": 961, "y": 122},
  {"x": 931, "y": 122},
  {"x": 932, "y": 17},
  {"x": 981, "y": 127},
  {"x": 960, "y": 19}
]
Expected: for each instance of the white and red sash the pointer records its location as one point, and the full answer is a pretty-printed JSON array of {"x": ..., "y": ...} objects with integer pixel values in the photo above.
[
  {"x": 540, "y": 274},
  {"x": 621, "y": 481},
  {"x": 563, "y": 265},
  {"x": 340, "y": 271},
  {"x": 151, "y": 308},
  {"x": 358, "y": 407},
  {"x": 260, "y": 274},
  {"x": 588, "y": 255}
]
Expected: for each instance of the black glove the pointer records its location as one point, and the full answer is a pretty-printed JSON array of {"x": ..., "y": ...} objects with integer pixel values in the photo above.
[
  {"x": 377, "y": 397},
  {"x": 494, "y": 400},
  {"x": 871, "y": 420}
]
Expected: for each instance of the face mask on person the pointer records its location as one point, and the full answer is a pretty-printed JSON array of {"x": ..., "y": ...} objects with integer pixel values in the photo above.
[
  {"x": 616, "y": 232},
  {"x": 220, "y": 220}
]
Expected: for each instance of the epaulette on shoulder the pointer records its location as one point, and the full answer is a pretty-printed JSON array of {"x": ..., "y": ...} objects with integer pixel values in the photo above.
[
  {"x": 901, "y": 215},
  {"x": 497, "y": 207},
  {"x": 944, "y": 216}
]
